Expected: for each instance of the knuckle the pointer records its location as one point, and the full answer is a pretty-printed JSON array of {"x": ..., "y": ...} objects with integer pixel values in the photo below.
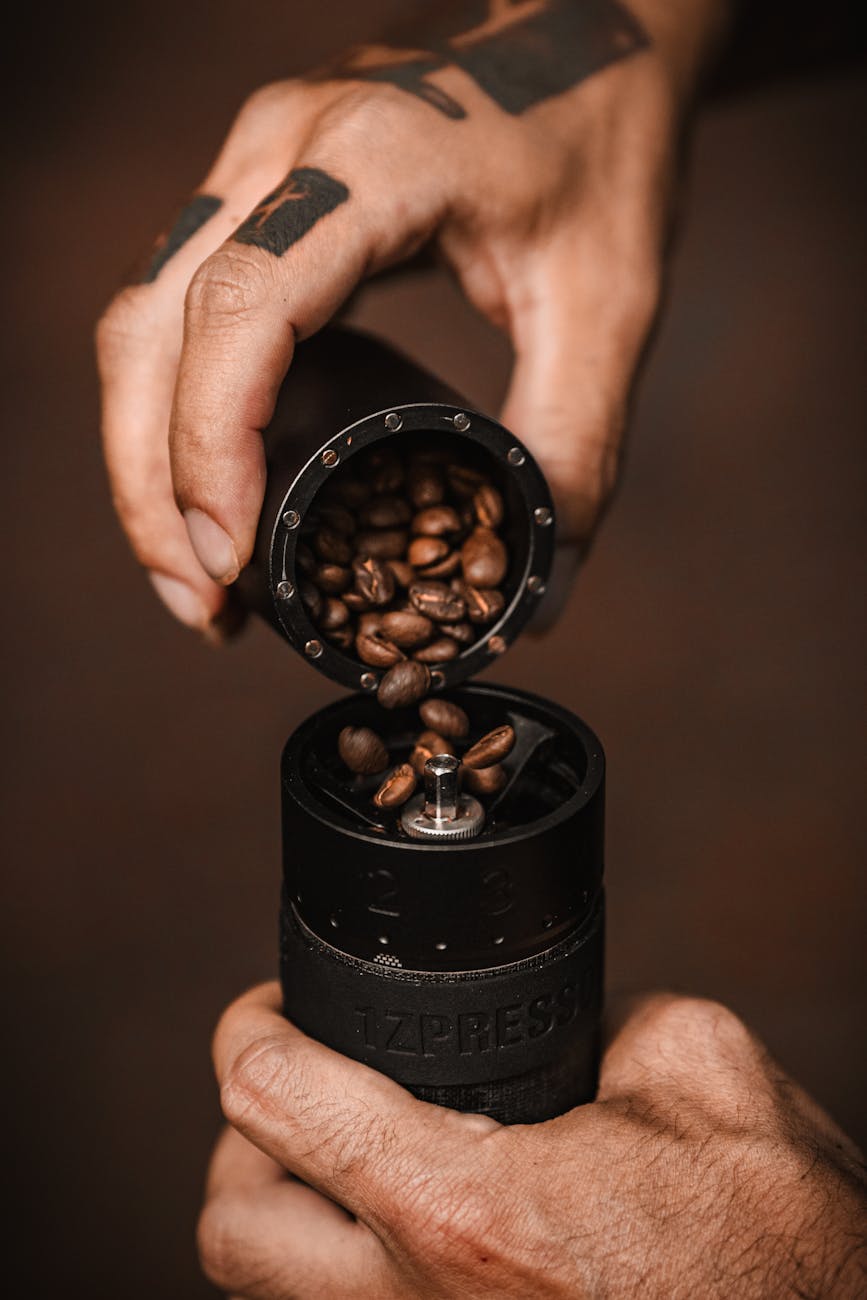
[
  {"x": 217, "y": 1243},
  {"x": 227, "y": 287},
  {"x": 272, "y": 99},
  {"x": 253, "y": 1081},
  {"x": 699, "y": 1020},
  {"x": 361, "y": 114}
]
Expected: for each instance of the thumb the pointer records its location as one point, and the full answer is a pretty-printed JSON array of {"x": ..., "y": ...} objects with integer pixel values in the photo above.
[{"x": 578, "y": 329}]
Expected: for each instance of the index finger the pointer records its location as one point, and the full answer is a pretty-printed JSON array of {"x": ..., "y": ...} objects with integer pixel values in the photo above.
[{"x": 344, "y": 1128}]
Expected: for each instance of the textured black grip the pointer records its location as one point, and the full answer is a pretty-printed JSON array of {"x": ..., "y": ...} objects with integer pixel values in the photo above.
[{"x": 518, "y": 1042}]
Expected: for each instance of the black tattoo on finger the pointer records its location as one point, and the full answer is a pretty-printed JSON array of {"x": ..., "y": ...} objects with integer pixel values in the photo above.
[
  {"x": 189, "y": 220},
  {"x": 286, "y": 214}
]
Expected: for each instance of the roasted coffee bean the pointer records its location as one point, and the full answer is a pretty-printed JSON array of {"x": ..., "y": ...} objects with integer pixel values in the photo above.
[
  {"x": 483, "y": 558},
  {"x": 370, "y": 622},
  {"x": 443, "y": 568},
  {"x": 488, "y": 504},
  {"x": 435, "y": 520},
  {"x": 428, "y": 745},
  {"x": 384, "y": 471},
  {"x": 348, "y": 491},
  {"x": 336, "y": 517},
  {"x": 444, "y": 717},
  {"x": 312, "y": 599},
  {"x": 484, "y": 604},
  {"x": 355, "y": 602},
  {"x": 403, "y": 572},
  {"x": 460, "y": 632},
  {"x": 403, "y": 684},
  {"x": 396, "y": 788},
  {"x": 373, "y": 579},
  {"x": 437, "y": 601},
  {"x": 426, "y": 550},
  {"x": 486, "y": 780},
  {"x": 362, "y": 750},
  {"x": 376, "y": 650},
  {"x": 305, "y": 560},
  {"x": 425, "y": 484},
  {"x": 342, "y": 637},
  {"x": 491, "y": 749},
  {"x": 332, "y": 578},
  {"x": 464, "y": 481},
  {"x": 384, "y": 544},
  {"x": 332, "y": 547},
  {"x": 437, "y": 652},
  {"x": 406, "y": 628},
  {"x": 385, "y": 512},
  {"x": 334, "y": 614}
]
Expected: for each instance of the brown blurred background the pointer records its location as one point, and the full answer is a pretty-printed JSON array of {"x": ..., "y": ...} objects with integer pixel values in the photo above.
[{"x": 715, "y": 640}]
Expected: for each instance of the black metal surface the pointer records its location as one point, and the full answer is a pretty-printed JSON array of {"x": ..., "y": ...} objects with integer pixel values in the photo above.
[{"x": 339, "y": 390}]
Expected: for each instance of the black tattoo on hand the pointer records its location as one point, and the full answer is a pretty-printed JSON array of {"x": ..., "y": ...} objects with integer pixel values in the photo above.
[
  {"x": 190, "y": 219},
  {"x": 287, "y": 213},
  {"x": 539, "y": 49}
]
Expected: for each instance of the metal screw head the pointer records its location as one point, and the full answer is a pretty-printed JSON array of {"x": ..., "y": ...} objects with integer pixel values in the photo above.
[
  {"x": 515, "y": 456},
  {"x": 368, "y": 681},
  {"x": 313, "y": 649},
  {"x": 285, "y": 590},
  {"x": 291, "y": 519},
  {"x": 543, "y": 516},
  {"x": 329, "y": 457},
  {"x": 461, "y": 422},
  {"x": 536, "y": 585},
  {"x": 393, "y": 422},
  {"x": 436, "y": 679}
]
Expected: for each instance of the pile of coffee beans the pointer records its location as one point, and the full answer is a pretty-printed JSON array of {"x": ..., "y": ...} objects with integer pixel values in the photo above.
[
  {"x": 445, "y": 724},
  {"x": 401, "y": 561}
]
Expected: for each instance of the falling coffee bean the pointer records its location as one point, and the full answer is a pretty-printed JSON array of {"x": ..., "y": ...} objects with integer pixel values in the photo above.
[
  {"x": 439, "y": 651},
  {"x": 488, "y": 505},
  {"x": 382, "y": 544},
  {"x": 426, "y": 550},
  {"x": 436, "y": 520},
  {"x": 428, "y": 745},
  {"x": 362, "y": 750},
  {"x": 375, "y": 649},
  {"x": 374, "y": 580},
  {"x": 483, "y": 558},
  {"x": 491, "y": 749},
  {"x": 406, "y": 628},
  {"x": 437, "y": 601},
  {"x": 396, "y": 788},
  {"x": 403, "y": 684},
  {"x": 484, "y": 781},
  {"x": 444, "y": 717}
]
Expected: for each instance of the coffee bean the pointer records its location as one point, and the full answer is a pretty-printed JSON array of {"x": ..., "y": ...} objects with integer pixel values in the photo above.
[
  {"x": 384, "y": 544},
  {"x": 396, "y": 788},
  {"x": 334, "y": 614},
  {"x": 464, "y": 481},
  {"x": 425, "y": 484},
  {"x": 426, "y": 550},
  {"x": 373, "y": 580},
  {"x": 403, "y": 572},
  {"x": 375, "y": 649},
  {"x": 355, "y": 602},
  {"x": 491, "y": 749},
  {"x": 384, "y": 471},
  {"x": 406, "y": 628},
  {"x": 444, "y": 717},
  {"x": 436, "y": 520},
  {"x": 305, "y": 560},
  {"x": 428, "y": 745},
  {"x": 350, "y": 492},
  {"x": 312, "y": 599},
  {"x": 336, "y": 517},
  {"x": 437, "y": 652},
  {"x": 437, "y": 601},
  {"x": 484, "y": 604},
  {"x": 443, "y": 568},
  {"x": 332, "y": 578},
  {"x": 460, "y": 632},
  {"x": 486, "y": 780},
  {"x": 483, "y": 558},
  {"x": 332, "y": 546},
  {"x": 342, "y": 637},
  {"x": 488, "y": 505},
  {"x": 385, "y": 512},
  {"x": 403, "y": 684},
  {"x": 362, "y": 750}
]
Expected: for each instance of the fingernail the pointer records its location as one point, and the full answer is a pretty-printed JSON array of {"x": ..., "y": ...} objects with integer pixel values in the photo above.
[
  {"x": 213, "y": 546},
  {"x": 180, "y": 600}
]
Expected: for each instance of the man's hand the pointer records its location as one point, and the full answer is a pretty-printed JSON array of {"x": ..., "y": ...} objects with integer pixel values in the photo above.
[
  {"x": 700, "y": 1171},
  {"x": 533, "y": 142}
]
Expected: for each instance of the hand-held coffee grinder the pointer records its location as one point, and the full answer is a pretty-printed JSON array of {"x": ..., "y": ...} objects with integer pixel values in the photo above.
[{"x": 456, "y": 942}]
